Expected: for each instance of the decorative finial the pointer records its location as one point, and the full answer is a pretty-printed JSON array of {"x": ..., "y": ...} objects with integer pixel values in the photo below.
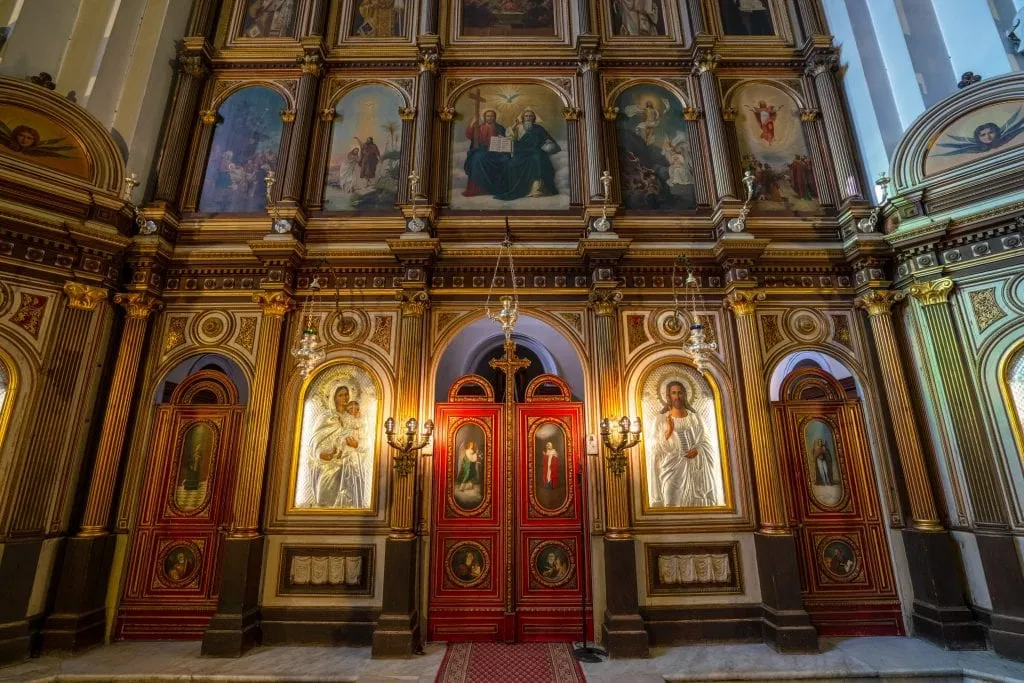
[
  {"x": 270, "y": 179},
  {"x": 131, "y": 181}
]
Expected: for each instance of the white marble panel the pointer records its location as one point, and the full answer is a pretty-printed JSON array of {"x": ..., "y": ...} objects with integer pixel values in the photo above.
[
  {"x": 975, "y": 573},
  {"x": 271, "y": 571},
  {"x": 748, "y": 567}
]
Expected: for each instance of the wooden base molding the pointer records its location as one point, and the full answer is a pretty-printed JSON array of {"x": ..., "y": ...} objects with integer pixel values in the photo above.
[
  {"x": 1005, "y": 581},
  {"x": 397, "y": 632},
  {"x": 786, "y": 624},
  {"x": 701, "y": 624},
  {"x": 940, "y": 613},
  {"x": 78, "y": 620},
  {"x": 235, "y": 627},
  {"x": 318, "y": 625},
  {"x": 18, "y": 563},
  {"x": 623, "y": 633}
]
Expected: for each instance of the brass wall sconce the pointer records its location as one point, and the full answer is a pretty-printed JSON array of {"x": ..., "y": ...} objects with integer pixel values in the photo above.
[
  {"x": 627, "y": 436},
  {"x": 408, "y": 446}
]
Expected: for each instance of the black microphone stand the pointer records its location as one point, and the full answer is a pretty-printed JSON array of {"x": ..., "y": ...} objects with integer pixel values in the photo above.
[{"x": 592, "y": 654}]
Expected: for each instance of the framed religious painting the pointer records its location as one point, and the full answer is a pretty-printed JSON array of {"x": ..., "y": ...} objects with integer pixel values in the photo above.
[
  {"x": 772, "y": 147},
  {"x": 257, "y": 23},
  {"x": 509, "y": 148},
  {"x": 752, "y": 21},
  {"x": 653, "y": 155},
  {"x": 336, "y": 448},
  {"x": 30, "y": 137},
  {"x": 373, "y": 22},
  {"x": 647, "y": 23},
  {"x": 683, "y": 462},
  {"x": 486, "y": 22}
]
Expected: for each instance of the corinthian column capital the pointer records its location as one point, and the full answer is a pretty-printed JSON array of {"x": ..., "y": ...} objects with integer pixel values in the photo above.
[
  {"x": 605, "y": 301},
  {"x": 413, "y": 303},
  {"x": 879, "y": 301},
  {"x": 138, "y": 304},
  {"x": 743, "y": 302},
  {"x": 84, "y": 297},
  {"x": 933, "y": 291},
  {"x": 274, "y": 304}
]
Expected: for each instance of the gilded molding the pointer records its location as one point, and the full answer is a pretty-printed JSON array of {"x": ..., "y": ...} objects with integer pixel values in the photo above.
[
  {"x": 84, "y": 297},
  {"x": 604, "y": 301},
  {"x": 288, "y": 115},
  {"x": 808, "y": 115},
  {"x": 743, "y": 302},
  {"x": 729, "y": 113},
  {"x": 328, "y": 114},
  {"x": 821, "y": 63},
  {"x": 572, "y": 113},
  {"x": 138, "y": 304},
  {"x": 691, "y": 114},
  {"x": 933, "y": 291},
  {"x": 446, "y": 114},
  {"x": 311, "y": 64},
  {"x": 611, "y": 113},
  {"x": 707, "y": 62},
  {"x": 413, "y": 303},
  {"x": 273, "y": 304},
  {"x": 407, "y": 113},
  {"x": 879, "y": 301},
  {"x": 192, "y": 64},
  {"x": 208, "y": 117},
  {"x": 986, "y": 308}
]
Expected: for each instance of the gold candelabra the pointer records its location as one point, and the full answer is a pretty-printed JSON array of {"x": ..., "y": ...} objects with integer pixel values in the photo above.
[
  {"x": 409, "y": 443},
  {"x": 619, "y": 441}
]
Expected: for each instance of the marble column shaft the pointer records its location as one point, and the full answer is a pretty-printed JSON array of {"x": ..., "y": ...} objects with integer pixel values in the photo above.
[
  {"x": 721, "y": 161},
  {"x": 809, "y": 18},
  {"x": 968, "y": 425},
  {"x": 697, "y": 23},
  {"x": 606, "y": 345},
  {"x": 705, "y": 191},
  {"x": 770, "y": 499},
  {"x": 253, "y": 451},
  {"x": 409, "y": 375},
  {"x": 822, "y": 69},
  {"x": 826, "y": 194},
  {"x": 139, "y": 306},
  {"x": 298, "y": 144},
  {"x": 428, "y": 17},
  {"x": 923, "y": 510},
  {"x": 593, "y": 119},
  {"x": 192, "y": 72},
  {"x": 424, "y": 124}
]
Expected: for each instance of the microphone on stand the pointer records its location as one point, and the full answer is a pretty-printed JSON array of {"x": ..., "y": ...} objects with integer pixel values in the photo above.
[{"x": 592, "y": 654}]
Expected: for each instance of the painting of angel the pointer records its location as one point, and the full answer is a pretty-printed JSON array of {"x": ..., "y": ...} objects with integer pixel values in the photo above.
[
  {"x": 655, "y": 168},
  {"x": 366, "y": 150},
  {"x": 338, "y": 439},
  {"x": 977, "y": 136},
  {"x": 32, "y": 137}
]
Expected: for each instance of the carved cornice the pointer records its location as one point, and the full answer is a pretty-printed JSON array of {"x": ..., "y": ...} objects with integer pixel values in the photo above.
[
  {"x": 138, "y": 305},
  {"x": 274, "y": 304},
  {"x": 932, "y": 292},
  {"x": 743, "y": 302},
  {"x": 84, "y": 297},
  {"x": 878, "y": 301}
]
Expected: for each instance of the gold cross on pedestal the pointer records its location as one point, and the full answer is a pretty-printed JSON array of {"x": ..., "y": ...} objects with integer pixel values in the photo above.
[{"x": 510, "y": 365}]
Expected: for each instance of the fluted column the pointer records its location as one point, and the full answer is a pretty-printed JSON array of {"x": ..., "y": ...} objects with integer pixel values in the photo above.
[
  {"x": 939, "y": 610},
  {"x": 253, "y": 451},
  {"x": 696, "y": 14},
  {"x": 192, "y": 72},
  {"x": 428, "y": 16},
  {"x": 704, "y": 67},
  {"x": 397, "y": 633},
  {"x": 705, "y": 194},
  {"x": 414, "y": 305},
  {"x": 138, "y": 307},
  {"x": 425, "y": 117},
  {"x": 809, "y": 120},
  {"x": 821, "y": 67},
  {"x": 298, "y": 144},
  {"x": 604, "y": 304},
  {"x": 958, "y": 395},
  {"x": 771, "y": 504},
  {"x": 923, "y": 510},
  {"x": 593, "y": 120},
  {"x": 809, "y": 18}
]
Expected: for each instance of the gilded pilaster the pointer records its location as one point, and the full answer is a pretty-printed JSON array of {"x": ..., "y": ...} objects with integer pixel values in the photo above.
[
  {"x": 704, "y": 68},
  {"x": 604, "y": 303},
  {"x": 192, "y": 72},
  {"x": 821, "y": 67},
  {"x": 252, "y": 454},
  {"x": 923, "y": 511},
  {"x": 770, "y": 499},
  {"x": 138, "y": 308},
  {"x": 960, "y": 398},
  {"x": 414, "y": 304}
]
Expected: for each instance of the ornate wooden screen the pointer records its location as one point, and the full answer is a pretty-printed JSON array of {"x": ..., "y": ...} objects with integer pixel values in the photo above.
[
  {"x": 507, "y": 545},
  {"x": 846, "y": 573},
  {"x": 171, "y": 586}
]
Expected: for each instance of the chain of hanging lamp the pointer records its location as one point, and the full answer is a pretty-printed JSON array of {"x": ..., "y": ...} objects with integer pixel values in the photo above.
[
  {"x": 697, "y": 346},
  {"x": 310, "y": 350},
  {"x": 509, "y": 313}
]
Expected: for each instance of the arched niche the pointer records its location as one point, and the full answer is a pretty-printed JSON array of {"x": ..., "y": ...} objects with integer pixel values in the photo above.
[
  {"x": 8, "y": 390},
  {"x": 192, "y": 365},
  {"x": 49, "y": 137},
  {"x": 815, "y": 359},
  {"x": 470, "y": 349},
  {"x": 245, "y": 146}
]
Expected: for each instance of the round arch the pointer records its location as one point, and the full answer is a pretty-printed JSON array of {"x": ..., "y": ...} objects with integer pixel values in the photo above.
[
  {"x": 787, "y": 364},
  {"x": 198, "y": 363}
]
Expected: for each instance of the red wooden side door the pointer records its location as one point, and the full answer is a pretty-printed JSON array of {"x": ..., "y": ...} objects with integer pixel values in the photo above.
[{"x": 507, "y": 549}]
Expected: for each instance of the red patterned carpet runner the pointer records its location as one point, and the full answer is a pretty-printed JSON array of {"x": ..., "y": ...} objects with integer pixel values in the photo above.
[{"x": 505, "y": 663}]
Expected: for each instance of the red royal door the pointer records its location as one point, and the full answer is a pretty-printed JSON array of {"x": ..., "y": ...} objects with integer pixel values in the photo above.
[{"x": 507, "y": 550}]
